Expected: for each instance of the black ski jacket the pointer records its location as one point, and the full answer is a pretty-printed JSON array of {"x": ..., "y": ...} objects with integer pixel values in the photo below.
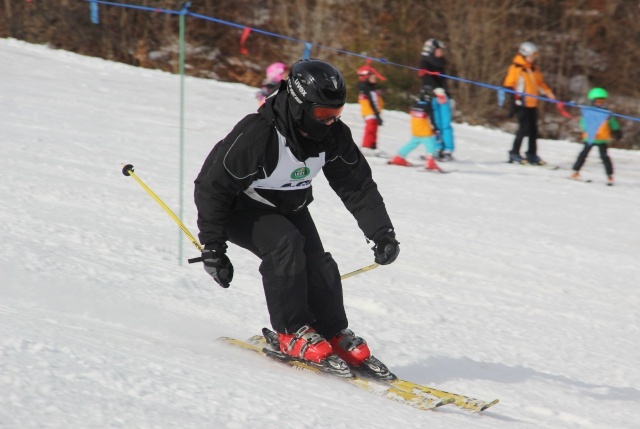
[
  {"x": 250, "y": 152},
  {"x": 436, "y": 65}
]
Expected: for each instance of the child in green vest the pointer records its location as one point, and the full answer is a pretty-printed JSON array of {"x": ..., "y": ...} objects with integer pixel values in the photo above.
[{"x": 608, "y": 128}]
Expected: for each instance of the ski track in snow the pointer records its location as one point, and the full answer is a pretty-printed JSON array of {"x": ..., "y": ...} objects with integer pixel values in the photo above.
[{"x": 512, "y": 283}]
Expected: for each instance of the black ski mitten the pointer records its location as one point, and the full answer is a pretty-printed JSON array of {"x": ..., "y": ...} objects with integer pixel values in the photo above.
[
  {"x": 218, "y": 266},
  {"x": 387, "y": 248}
]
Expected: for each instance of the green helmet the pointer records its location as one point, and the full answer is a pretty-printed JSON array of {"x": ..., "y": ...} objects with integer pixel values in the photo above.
[{"x": 597, "y": 93}]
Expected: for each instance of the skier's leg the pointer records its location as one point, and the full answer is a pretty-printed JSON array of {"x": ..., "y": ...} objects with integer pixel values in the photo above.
[
  {"x": 608, "y": 165},
  {"x": 404, "y": 151},
  {"x": 532, "y": 119},
  {"x": 522, "y": 131},
  {"x": 370, "y": 137},
  {"x": 323, "y": 279},
  {"x": 446, "y": 131},
  {"x": 582, "y": 157},
  {"x": 431, "y": 145},
  {"x": 278, "y": 243}
]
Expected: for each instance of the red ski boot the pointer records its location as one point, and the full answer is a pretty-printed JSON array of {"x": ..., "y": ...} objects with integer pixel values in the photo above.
[
  {"x": 355, "y": 352},
  {"x": 431, "y": 164},
  {"x": 398, "y": 160},
  {"x": 308, "y": 346},
  {"x": 305, "y": 344}
]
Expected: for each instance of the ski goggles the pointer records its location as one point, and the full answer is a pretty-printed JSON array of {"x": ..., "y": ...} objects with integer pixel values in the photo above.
[{"x": 326, "y": 114}]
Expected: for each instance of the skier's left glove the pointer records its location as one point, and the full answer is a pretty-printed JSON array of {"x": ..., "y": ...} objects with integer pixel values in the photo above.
[
  {"x": 387, "y": 248},
  {"x": 218, "y": 266}
]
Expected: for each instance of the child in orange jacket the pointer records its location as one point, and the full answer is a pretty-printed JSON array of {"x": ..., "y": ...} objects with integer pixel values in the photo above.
[{"x": 423, "y": 131}]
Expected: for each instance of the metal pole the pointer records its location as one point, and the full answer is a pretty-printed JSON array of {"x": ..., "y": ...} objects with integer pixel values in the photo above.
[{"x": 183, "y": 13}]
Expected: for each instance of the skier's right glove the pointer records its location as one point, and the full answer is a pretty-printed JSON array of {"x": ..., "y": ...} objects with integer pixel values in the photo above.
[
  {"x": 386, "y": 249},
  {"x": 218, "y": 266},
  {"x": 378, "y": 119}
]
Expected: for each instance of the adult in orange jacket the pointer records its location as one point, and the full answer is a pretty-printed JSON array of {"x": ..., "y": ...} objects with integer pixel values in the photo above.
[{"x": 524, "y": 76}]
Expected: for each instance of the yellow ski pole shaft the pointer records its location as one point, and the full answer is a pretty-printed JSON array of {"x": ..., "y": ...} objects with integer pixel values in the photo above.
[
  {"x": 127, "y": 170},
  {"x": 358, "y": 271}
]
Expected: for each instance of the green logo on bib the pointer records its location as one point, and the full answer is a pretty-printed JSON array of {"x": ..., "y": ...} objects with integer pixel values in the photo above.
[{"x": 300, "y": 173}]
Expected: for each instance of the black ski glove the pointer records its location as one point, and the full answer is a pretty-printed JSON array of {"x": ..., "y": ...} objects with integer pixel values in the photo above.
[
  {"x": 378, "y": 119},
  {"x": 386, "y": 249},
  {"x": 218, "y": 266}
]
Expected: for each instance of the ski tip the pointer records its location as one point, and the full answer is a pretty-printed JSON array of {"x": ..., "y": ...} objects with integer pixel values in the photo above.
[{"x": 490, "y": 404}]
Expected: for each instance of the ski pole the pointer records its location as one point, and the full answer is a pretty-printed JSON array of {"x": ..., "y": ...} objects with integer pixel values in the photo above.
[
  {"x": 360, "y": 270},
  {"x": 127, "y": 170}
]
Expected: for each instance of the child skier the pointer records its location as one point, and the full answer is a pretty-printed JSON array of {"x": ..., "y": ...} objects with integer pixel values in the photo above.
[
  {"x": 274, "y": 74},
  {"x": 609, "y": 127},
  {"x": 423, "y": 131},
  {"x": 371, "y": 105}
]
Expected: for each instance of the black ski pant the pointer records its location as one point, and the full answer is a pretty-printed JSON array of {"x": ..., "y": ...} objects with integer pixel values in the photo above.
[
  {"x": 527, "y": 127},
  {"x": 301, "y": 281},
  {"x": 582, "y": 157}
]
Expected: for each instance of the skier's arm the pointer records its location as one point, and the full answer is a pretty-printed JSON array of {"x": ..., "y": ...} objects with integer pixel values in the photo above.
[
  {"x": 349, "y": 176},
  {"x": 615, "y": 128},
  {"x": 229, "y": 169},
  {"x": 543, "y": 85},
  {"x": 428, "y": 109}
]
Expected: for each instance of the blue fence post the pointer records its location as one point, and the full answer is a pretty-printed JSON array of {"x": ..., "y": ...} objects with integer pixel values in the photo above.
[
  {"x": 93, "y": 10},
  {"x": 307, "y": 51}
]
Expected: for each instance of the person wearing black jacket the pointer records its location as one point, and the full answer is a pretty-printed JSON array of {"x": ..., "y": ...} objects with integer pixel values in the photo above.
[
  {"x": 253, "y": 191},
  {"x": 432, "y": 66}
]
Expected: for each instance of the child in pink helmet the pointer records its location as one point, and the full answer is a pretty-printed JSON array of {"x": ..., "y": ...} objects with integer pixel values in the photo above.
[{"x": 274, "y": 74}]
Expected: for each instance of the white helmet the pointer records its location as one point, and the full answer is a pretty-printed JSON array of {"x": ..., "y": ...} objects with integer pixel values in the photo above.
[{"x": 527, "y": 48}]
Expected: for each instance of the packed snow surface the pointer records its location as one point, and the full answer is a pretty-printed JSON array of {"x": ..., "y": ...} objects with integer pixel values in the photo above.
[{"x": 513, "y": 282}]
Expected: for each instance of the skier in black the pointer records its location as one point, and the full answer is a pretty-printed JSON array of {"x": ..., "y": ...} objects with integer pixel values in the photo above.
[{"x": 254, "y": 189}]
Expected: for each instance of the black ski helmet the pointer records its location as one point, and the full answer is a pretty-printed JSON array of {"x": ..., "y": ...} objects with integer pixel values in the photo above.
[
  {"x": 430, "y": 46},
  {"x": 314, "y": 86},
  {"x": 313, "y": 82}
]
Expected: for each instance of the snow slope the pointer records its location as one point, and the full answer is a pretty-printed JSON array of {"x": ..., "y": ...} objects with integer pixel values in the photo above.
[{"x": 513, "y": 282}]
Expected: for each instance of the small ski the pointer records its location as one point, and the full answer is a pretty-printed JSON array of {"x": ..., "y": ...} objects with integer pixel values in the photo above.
[
  {"x": 374, "y": 153},
  {"x": 440, "y": 171},
  {"x": 409, "y": 165},
  {"x": 526, "y": 164},
  {"x": 257, "y": 344},
  {"x": 580, "y": 180}
]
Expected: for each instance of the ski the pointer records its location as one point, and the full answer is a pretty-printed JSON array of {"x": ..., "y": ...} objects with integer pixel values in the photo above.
[
  {"x": 439, "y": 171},
  {"x": 419, "y": 400},
  {"x": 461, "y": 401},
  {"x": 408, "y": 387},
  {"x": 580, "y": 180},
  {"x": 545, "y": 165},
  {"x": 374, "y": 153}
]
